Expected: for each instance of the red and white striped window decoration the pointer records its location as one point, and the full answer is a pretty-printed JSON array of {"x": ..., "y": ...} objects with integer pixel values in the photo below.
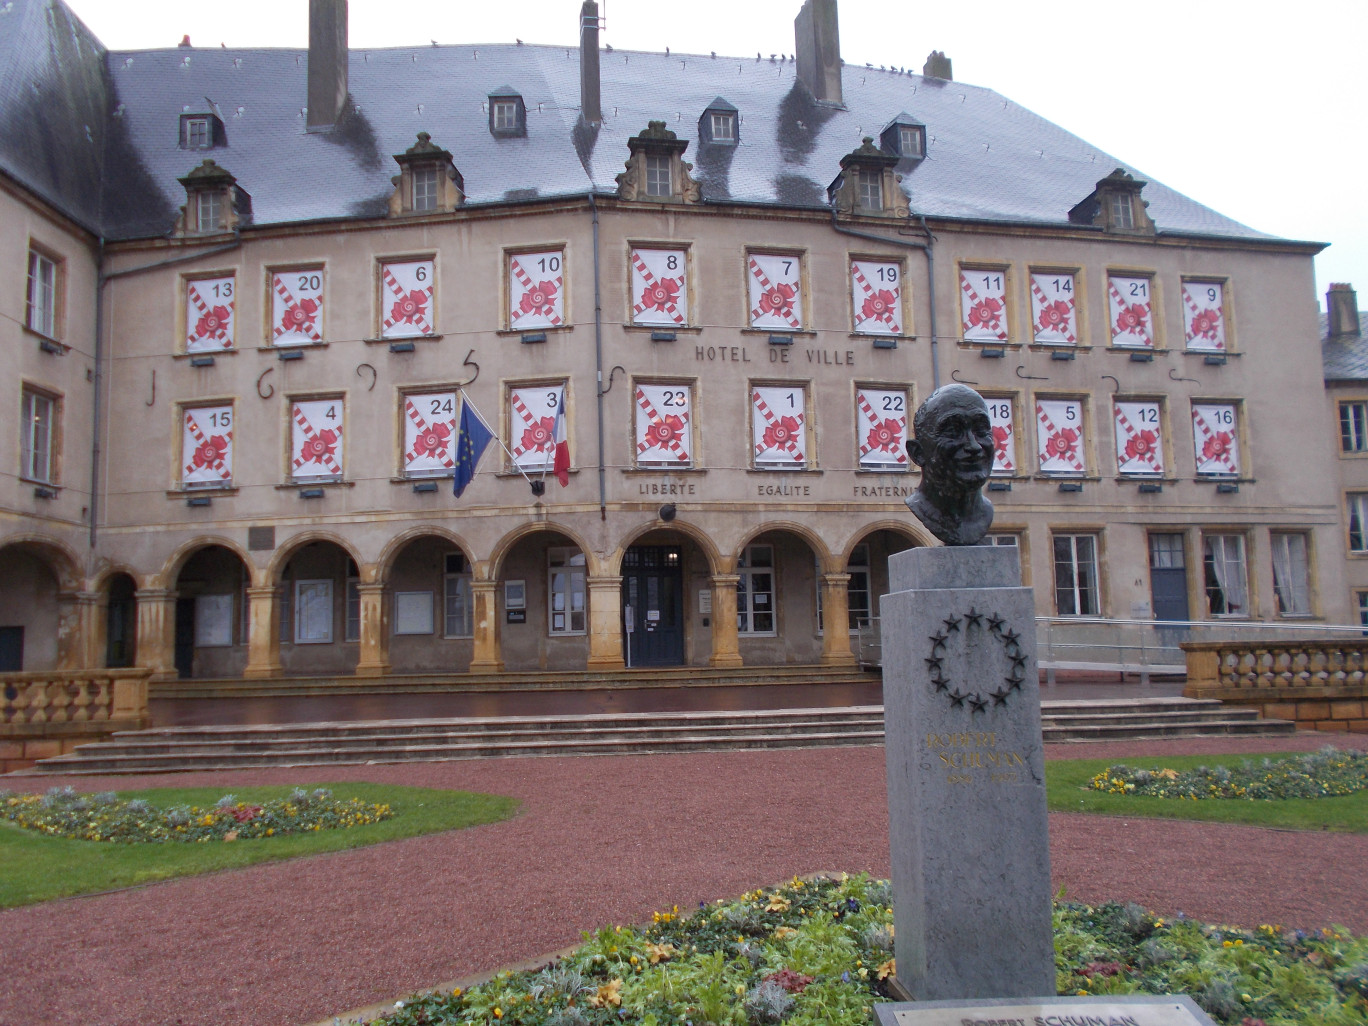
[
  {"x": 1054, "y": 315},
  {"x": 779, "y": 426},
  {"x": 775, "y": 291},
  {"x": 983, "y": 304},
  {"x": 1139, "y": 441},
  {"x": 664, "y": 425},
  {"x": 536, "y": 289},
  {"x": 406, "y": 299},
  {"x": 429, "y": 434},
  {"x": 207, "y": 447},
  {"x": 876, "y": 291},
  {"x": 316, "y": 440},
  {"x": 1001, "y": 414},
  {"x": 660, "y": 287},
  {"x": 532, "y": 422},
  {"x": 1059, "y": 436},
  {"x": 881, "y": 428},
  {"x": 297, "y": 307},
  {"x": 210, "y": 305},
  {"x": 1131, "y": 306},
  {"x": 1216, "y": 438},
  {"x": 1204, "y": 315}
]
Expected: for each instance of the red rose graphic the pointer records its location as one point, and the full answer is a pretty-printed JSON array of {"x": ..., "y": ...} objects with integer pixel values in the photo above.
[
  {"x": 1142, "y": 446},
  {"x": 210, "y": 452},
  {"x": 300, "y": 316},
  {"x": 660, "y": 295},
  {"x": 781, "y": 434},
  {"x": 778, "y": 300},
  {"x": 539, "y": 435},
  {"x": 986, "y": 313},
  {"x": 432, "y": 442},
  {"x": 540, "y": 299},
  {"x": 1000, "y": 438},
  {"x": 1060, "y": 445},
  {"x": 319, "y": 447},
  {"x": 1131, "y": 320},
  {"x": 410, "y": 307},
  {"x": 879, "y": 306},
  {"x": 1217, "y": 447},
  {"x": 213, "y": 324},
  {"x": 1205, "y": 323},
  {"x": 663, "y": 432},
  {"x": 1054, "y": 316},
  {"x": 885, "y": 435}
]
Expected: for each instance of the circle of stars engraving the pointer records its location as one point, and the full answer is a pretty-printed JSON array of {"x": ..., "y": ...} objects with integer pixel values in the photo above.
[{"x": 993, "y": 626}]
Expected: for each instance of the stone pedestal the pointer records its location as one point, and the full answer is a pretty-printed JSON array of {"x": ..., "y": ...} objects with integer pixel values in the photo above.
[
  {"x": 263, "y": 633},
  {"x": 373, "y": 656},
  {"x": 605, "y": 623},
  {"x": 966, "y": 777},
  {"x": 726, "y": 649},
  {"x": 484, "y": 598}
]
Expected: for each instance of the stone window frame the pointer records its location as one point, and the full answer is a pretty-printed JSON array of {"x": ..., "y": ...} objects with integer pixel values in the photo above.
[
  {"x": 1304, "y": 605},
  {"x": 1211, "y": 581},
  {"x": 1356, "y": 512},
  {"x": 1076, "y": 562},
  {"x": 45, "y": 304},
  {"x": 1354, "y": 429},
  {"x": 30, "y": 396}
]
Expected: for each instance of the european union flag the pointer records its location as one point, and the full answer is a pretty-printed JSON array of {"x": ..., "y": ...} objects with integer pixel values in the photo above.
[{"x": 470, "y": 446}]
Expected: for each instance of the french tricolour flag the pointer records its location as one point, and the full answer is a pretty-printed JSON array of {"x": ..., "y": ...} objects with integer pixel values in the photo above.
[{"x": 561, "y": 466}]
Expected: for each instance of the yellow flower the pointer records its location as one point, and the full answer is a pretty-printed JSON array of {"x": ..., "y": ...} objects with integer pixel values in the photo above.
[
  {"x": 498, "y": 1012},
  {"x": 887, "y": 969},
  {"x": 778, "y": 903},
  {"x": 740, "y": 989},
  {"x": 784, "y": 932},
  {"x": 659, "y": 952},
  {"x": 609, "y": 994},
  {"x": 456, "y": 992}
]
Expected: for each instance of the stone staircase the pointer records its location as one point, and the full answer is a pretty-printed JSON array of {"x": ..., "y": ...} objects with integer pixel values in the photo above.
[{"x": 175, "y": 749}]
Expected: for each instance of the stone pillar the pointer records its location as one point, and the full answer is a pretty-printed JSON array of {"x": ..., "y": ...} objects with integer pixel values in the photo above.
[
  {"x": 87, "y": 645},
  {"x": 725, "y": 650},
  {"x": 836, "y": 621},
  {"x": 375, "y": 631},
  {"x": 263, "y": 633},
  {"x": 486, "y": 657},
  {"x": 156, "y": 632},
  {"x": 72, "y": 636},
  {"x": 605, "y": 623}
]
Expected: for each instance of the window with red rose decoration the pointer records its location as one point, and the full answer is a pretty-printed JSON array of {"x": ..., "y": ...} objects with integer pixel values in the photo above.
[
  {"x": 881, "y": 428},
  {"x": 536, "y": 290},
  {"x": 775, "y": 283},
  {"x": 876, "y": 291},
  {"x": 983, "y": 304},
  {"x": 664, "y": 425},
  {"x": 1139, "y": 438},
  {"x": 1059, "y": 436},
  {"x": 1131, "y": 308},
  {"x": 1002, "y": 416},
  {"x": 406, "y": 299},
  {"x": 532, "y": 425},
  {"x": 779, "y": 426},
  {"x": 1216, "y": 439},
  {"x": 1054, "y": 312},
  {"x": 296, "y": 307},
  {"x": 660, "y": 287},
  {"x": 207, "y": 446},
  {"x": 429, "y": 434},
  {"x": 316, "y": 431},
  {"x": 1204, "y": 322},
  {"x": 210, "y": 306}
]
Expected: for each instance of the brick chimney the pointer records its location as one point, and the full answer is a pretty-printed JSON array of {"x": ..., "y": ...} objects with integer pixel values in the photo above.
[
  {"x": 817, "y": 39},
  {"x": 938, "y": 66},
  {"x": 591, "y": 111},
  {"x": 327, "y": 63},
  {"x": 1341, "y": 307}
]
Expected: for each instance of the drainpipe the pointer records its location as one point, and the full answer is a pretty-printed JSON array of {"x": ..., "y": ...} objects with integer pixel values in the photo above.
[
  {"x": 925, "y": 247},
  {"x": 598, "y": 361}
]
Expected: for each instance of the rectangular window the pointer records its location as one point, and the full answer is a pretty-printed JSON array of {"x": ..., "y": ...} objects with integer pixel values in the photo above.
[
  {"x": 406, "y": 306},
  {"x": 1216, "y": 439},
  {"x": 565, "y": 591},
  {"x": 296, "y": 307},
  {"x": 210, "y": 306},
  {"x": 775, "y": 290},
  {"x": 1358, "y": 521},
  {"x": 1291, "y": 573},
  {"x": 871, "y": 190},
  {"x": 1054, "y": 314},
  {"x": 723, "y": 128},
  {"x": 458, "y": 613},
  {"x": 1139, "y": 446},
  {"x": 505, "y": 116},
  {"x": 1204, "y": 323},
  {"x": 909, "y": 141},
  {"x": 197, "y": 133},
  {"x": 664, "y": 425},
  {"x": 352, "y": 630},
  {"x": 1075, "y": 566},
  {"x": 39, "y": 415},
  {"x": 1122, "y": 213},
  {"x": 208, "y": 210},
  {"x": 876, "y": 291},
  {"x": 429, "y": 420},
  {"x": 1353, "y": 426},
  {"x": 755, "y": 590},
  {"x": 881, "y": 428},
  {"x": 536, "y": 290},
  {"x": 313, "y": 609},
  {"x": 779, "y": 427},
  {"x": 660, "y": 290},
  {"x": 658, "y": 176},
  {"x": 424, "y": 188},
  {"x": 316, "y": 434},
  {"x": 1130, "y": 304},
  {"x": 1227, "y": 579},
  {"x": 532, "y": 425},
  {"x": 983, "y": 304},
  {"x": 1361, "y": 598},
  {"x": 207, "y": 447},
  {"x": 1059, "y": 436},
  {"x": 41, "y": 312}
]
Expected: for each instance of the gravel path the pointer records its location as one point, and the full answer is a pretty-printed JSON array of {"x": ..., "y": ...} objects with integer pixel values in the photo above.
[{"x": 599, "y": 840}]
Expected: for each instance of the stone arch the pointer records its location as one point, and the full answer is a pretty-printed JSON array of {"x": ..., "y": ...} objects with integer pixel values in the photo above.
[
  {"x": 504, "y": 546},
  {"x": 813, "y": 539},
  {"x": 60, "y": 558},
  {"x": 170, "y": 571},
  {"x": 107, "y": 571},
  {"x": 915, "y": 533},
  {"x": 384, "y": 563},
  {"x": 704, "y": 541},
  {"x": 282, "y": 556}
]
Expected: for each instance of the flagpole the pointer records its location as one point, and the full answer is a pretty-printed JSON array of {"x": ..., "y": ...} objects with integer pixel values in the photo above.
[{"x": 480, "y": 417}]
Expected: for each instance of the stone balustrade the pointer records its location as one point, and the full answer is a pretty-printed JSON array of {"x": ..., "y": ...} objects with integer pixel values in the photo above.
[
  {"x": 1319, "y": 684},
  {"x": 49, "y": 712}
]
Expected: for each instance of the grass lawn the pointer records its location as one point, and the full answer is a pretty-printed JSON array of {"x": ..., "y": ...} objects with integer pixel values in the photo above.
[
  {"x": 1066, "y": 784},
  {"x": 37, "y": 867}
]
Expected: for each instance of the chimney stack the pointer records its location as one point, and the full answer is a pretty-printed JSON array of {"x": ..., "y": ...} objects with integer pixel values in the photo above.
[
  {"x": 591, "y": 113},
  {"x": 327, "y": 63},
  {"x": 1341, "y": 308},
  {"x": 817, "y": 40},
  {"x": 938, "y": 66}
]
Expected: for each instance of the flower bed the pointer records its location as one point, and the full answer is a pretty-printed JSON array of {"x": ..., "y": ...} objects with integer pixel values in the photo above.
[
  {"x": 1327, "y": 773},
  {"x": 819, "y": 952},
  {"x": 64, "y": 812}
]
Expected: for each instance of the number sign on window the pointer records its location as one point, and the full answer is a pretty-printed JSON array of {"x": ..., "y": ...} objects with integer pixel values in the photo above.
[
  {"x": 775, "y": 290},
  {"x": 406, "y": 299},
  {"x": 876, "y": 288},
  {"x": 1052, "y": 308},
  {"x": 1215, "y": 438},
  {"x": 1001, "y": 416},
  {"x": 1204, "y": 315},
  {"x": 881, "y": 428},
  {"x": 429, "y": 434},
  {"x": 663, "y": 431},
  {"x": 209, "y": 307},
  {"x": 1139, "y": 447},
  {"x": 536, "y": 290},
  {"x": 660, "y": 293},
  {"x": 316, "y": 440},
  {"x": 778, "y": 423},
  {"x": 207, "y": 447},
  {"x": 983, "y": 304},
  {"x": 532, "y": 416},
  {"x": 1132, "y": 311},
  {"x": 1059, "y": 436},
  {"x": 297, "y": 307}
]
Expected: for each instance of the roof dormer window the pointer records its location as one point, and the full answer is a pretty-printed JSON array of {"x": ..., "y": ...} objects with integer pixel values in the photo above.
[
  {"x": 868, "y": 183},
  {"x": 505, "y": 116},
  {"x": 658, "y": 175},
  {"x": 656, "y": 169},
  {"x": 425, "y": 188},
  {"x": 719, "y": 124},
  {"x": 723, "y": 127},
  {"x": 201, "y": 132},
  {"x": 904, "y": 136},
  {"x": 209, "y": 210},
  {"x": 1122, "y": 211},
  {"x": 871, "y": 189},
  {"x": 507, "y": 113},
  {"x": 1115, "y": 205},
  {"x": 427, "y": 181},
  {"x": 214, "y": 202},
  {"x": 910, "y": 141}
]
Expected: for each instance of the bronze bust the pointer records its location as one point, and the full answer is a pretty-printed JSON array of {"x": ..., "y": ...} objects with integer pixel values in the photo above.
[{"x": 953, "y": 444}]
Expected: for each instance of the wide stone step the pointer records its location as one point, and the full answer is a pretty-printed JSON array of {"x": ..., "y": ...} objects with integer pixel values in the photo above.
[{"x": 1114, "y": 731}]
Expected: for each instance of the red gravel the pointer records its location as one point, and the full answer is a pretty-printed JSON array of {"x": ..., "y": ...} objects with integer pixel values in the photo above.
[{"x": 599, "y": 840}]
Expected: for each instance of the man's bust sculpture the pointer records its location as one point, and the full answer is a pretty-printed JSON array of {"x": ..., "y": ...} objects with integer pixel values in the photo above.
[{"x": 953, "y": 444}]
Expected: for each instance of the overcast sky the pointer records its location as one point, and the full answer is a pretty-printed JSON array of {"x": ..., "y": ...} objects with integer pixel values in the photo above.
[{"x": 1254, "y": 109}]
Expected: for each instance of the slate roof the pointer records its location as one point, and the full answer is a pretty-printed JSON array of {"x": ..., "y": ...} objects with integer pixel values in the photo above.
[
  {"x": 1345, "y": 358},
  {"x": 96, "y": 132}
]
